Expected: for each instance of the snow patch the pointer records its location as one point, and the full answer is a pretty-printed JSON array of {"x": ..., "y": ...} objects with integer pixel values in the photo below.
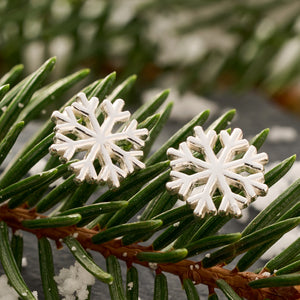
[
  {"x": 130, "y": 286},
  {"x": 6, "y": 291},
  {"x": 73, "y": 282},
  {"x": 24, "y": 262},
  {"x": 185, "y": 105},
  {"x": 152, "y": 265},
  {"x": 38, "y": 167},
  {"x": 279, "y": 134},
  {"x": 18, "y": 233}
]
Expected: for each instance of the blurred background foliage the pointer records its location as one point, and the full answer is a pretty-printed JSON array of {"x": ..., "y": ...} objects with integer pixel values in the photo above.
[{"x": 200, "y": 46}]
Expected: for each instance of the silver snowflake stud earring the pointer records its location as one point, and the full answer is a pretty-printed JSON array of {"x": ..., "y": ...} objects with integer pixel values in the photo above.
[
  {"x": 78, "y": 130},
  {"x": 236, "y": 171}
]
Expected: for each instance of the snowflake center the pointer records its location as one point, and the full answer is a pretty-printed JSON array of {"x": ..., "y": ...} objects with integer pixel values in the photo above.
[
  {"x": 100, "y": 139},
  {"x": 217, "y": 167}
]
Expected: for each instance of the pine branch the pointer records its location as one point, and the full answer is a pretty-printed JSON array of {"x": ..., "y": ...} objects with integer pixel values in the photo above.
[
  {"x": 185, "y": 269},
  {"x": 66, "y": 215}
]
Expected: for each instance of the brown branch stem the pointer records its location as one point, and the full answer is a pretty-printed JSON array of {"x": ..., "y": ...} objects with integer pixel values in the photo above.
[{"x": 184, "y": 269}]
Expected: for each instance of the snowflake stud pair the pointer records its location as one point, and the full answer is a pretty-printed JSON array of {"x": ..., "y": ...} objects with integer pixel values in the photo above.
[
  {"x": 78, "y": 130},
  {"x": 236, "y": 171}
]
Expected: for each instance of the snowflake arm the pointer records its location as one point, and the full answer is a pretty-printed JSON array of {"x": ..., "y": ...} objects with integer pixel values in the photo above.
[
  {"x": 113, "y": 113},
  {"x": 66, "y": 123},
  {"x": 252, "y": 185},
  {"x": 232, "y": 144},
  {"x": 128, "y": 161},
  {"x": 132, "y": 134},
  {"x": 183, "y": 159},
  {"x": 99, "y": 142},
  {"x": 221, "y": 172},
  {"x": 135, "y": 135},
  {"x": 231, "y": 202},
  {"x": 86, "y": 108},
  {"x": 66, "y": 147},
  {"x": 203, "y": 143},
  {"x": 250, "y": 162},
  {"x": 183, "y": 184},
  {"x": 202, "y": 201}
]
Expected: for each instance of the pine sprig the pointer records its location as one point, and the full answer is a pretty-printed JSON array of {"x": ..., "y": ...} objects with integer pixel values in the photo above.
[{"x": 66, "y": 215}]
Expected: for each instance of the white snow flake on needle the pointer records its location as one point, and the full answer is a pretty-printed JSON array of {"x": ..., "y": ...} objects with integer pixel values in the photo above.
[
  {"x": 100, "y": 142},
  {"x": 197, "y": 172}
]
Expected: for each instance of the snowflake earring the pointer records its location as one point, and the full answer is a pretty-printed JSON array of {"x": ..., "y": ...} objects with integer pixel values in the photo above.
[
  {"x": 197, "y": 172},
  {"x": 77, "y": 130}
]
